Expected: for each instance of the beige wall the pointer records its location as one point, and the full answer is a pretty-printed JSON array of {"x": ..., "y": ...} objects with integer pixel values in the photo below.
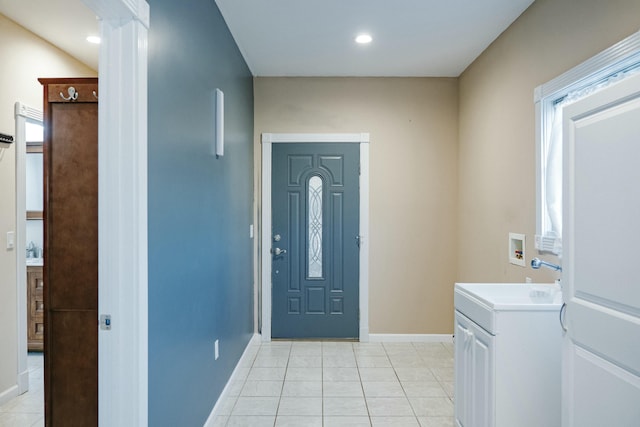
[
  {"x": 25, "y": 58},
  {"x": 448, "y": 181},
  {"x": 413, "y": 159},
  {"x": 497, "y": 135}
]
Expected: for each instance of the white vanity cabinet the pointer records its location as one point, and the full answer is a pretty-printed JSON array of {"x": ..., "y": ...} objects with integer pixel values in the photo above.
[{"x": 507, "y": 355}]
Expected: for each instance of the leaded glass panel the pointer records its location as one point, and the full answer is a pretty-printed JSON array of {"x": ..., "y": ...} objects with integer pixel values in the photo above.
[{"x": 315, "y": 227}]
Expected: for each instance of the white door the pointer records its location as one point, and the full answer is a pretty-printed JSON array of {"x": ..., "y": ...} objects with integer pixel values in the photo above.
[{"x": 601, "y": 280}]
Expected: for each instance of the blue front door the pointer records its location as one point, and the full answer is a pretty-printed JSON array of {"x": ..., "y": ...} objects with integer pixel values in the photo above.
[{"x": 315, "y": 252}]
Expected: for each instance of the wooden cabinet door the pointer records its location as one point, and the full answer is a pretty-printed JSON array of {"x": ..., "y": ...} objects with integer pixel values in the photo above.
[
  {"x": 71, "y": 250},
  {"x": 35, "y": 309}
]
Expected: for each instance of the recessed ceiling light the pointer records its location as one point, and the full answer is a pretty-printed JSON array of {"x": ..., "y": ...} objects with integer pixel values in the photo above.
[
  {"x": 363, "y": 39},
  {"x": 93, "y": 39}
]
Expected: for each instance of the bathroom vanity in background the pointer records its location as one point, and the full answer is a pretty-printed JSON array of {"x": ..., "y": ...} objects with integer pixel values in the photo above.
[
  {"x": 35, "y": 307},
  {"x": 507, "y": 355}
]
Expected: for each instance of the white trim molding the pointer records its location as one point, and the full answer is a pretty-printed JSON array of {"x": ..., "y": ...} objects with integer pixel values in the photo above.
[
  {"x": 122, "y": 211},
  {"x": 268, "y": 139},
  {"x": 22, "y": 114},
  {"x": 8, "y": 394},
  {"x": 625, "y": 52},
  {"x": 294, "y": 138}
]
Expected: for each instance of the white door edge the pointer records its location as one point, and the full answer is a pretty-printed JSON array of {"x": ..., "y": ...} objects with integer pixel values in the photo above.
[{"x": 265, "y": 255}]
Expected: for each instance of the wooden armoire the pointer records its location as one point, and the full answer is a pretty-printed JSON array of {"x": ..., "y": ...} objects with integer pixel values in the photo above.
[{"x": 71, "y": 249}]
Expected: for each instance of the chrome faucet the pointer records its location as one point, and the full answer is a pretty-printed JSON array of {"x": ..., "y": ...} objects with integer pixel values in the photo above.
[{"x": 537, "y": 263}]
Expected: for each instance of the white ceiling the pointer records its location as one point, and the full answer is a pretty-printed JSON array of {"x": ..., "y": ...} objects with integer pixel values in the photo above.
[
  {"x": 64, "y": 23},
  {"x": 437, "y": 38},
  {"x": 316, "y": 37}
]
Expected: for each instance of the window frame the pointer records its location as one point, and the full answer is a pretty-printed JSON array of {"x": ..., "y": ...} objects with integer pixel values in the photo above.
[{"x": 611, "y": 61}]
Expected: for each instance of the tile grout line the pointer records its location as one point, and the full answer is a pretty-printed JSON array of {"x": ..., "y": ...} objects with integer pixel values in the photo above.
[
  {"x": 286, "y": 368},
  {"x": 364, "y": 396}
]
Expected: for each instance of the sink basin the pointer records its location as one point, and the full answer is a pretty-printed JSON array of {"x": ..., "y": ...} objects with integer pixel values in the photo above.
[{"x": 481, "y": 301}]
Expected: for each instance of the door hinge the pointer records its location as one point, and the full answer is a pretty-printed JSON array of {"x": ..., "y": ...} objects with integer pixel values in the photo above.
[{"x": 358, "y": 238}]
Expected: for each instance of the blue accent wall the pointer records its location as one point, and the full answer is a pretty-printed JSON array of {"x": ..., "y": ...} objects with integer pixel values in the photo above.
[{"x": 200, "y": 209}]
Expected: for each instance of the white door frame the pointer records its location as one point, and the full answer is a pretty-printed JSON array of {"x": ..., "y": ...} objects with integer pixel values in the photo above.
[
  {"x": 279, "y": 138},
  {"x": 122, "y": 211},
  {"x": 22, "y": 114}
]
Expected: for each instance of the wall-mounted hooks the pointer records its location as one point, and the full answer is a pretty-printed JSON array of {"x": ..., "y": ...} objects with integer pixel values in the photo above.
[
  {"x": 73, "y": 94},
  {"x": 7, "y": 139},
  {"x": 95, "y": 95}
]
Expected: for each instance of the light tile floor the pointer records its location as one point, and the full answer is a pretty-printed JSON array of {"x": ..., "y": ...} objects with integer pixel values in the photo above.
[
  {"x": 302, "y": 383},
  {"x": 335, "y": 384},
  {"x": 27, "y": 410}
]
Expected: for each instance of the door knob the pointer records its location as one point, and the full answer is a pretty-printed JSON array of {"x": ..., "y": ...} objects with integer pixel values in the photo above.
[{"x": 278, "y": 251}]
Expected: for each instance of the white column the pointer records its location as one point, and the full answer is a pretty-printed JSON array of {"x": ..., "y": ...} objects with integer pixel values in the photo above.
[{"x": 122, "y": 211}]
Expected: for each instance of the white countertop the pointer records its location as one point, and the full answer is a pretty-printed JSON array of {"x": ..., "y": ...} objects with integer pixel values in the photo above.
[
  {"x": 35, "y": 262},
  {"x": 514, "y": 296},
  {"x": 481, "y": 302}
]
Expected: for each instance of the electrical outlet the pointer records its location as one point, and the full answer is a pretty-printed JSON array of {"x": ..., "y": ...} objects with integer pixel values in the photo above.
[{"x": 216, "y": 350}]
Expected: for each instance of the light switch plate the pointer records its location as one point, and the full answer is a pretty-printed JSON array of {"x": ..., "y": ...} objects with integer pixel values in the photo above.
[
  {"x": 105, "y": 322},
  {"x": 11, "y": 239}
]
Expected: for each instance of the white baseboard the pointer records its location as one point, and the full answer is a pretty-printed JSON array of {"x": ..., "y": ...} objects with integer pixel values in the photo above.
[
  {"x": 9, "y": 394},
  {"x": 255, "y": 340},
  {"x": 410, "y": 338}
]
